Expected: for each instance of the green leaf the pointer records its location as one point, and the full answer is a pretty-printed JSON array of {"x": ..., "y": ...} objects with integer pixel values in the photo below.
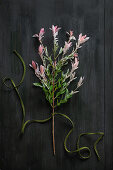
[
  {"x": 46, "y": 52},
  {"x": 37, "y": 84},
  {"x": 64, "y": 84},
  {"x": 59, "y": 84},
  {"x": 62, "y": 91},
  {"x": 64, "y": 101},
  {"x": 51, "y": 88},
  {"x": 61, "y": 49},
  {"x": 44, "y": 88}
]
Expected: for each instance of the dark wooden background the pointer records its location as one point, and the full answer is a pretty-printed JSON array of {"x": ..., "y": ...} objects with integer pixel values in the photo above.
[{"x": 91, "y": 109}]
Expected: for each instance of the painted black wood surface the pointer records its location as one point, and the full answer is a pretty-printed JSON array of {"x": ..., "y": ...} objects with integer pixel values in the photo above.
[{"x": 91, "y": 109}]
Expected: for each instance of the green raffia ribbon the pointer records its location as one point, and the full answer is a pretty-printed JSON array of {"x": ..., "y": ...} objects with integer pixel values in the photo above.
[
  {"x": 29, "y": 122},
  {"x": 15, "y": 87},
  {"x": 101, "y": 134}
]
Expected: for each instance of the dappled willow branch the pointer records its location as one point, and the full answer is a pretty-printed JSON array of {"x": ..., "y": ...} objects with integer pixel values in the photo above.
[{"x": 58, "y": 59}]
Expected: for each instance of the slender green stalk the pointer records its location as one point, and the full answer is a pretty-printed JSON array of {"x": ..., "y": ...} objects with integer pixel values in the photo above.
[
  {"x": 53, "y": 131},
  {"x": 53, "y": 118}
]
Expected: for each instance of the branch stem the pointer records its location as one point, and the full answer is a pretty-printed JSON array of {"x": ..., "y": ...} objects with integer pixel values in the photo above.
[{"x": 53, "y": 132}]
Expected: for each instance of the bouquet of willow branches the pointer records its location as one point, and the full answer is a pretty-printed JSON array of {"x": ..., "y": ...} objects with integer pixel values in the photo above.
[{"x": 54, "y": 81}]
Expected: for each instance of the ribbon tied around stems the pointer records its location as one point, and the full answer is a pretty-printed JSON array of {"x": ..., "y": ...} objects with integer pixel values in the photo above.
[{"x": 29, "y": 122}]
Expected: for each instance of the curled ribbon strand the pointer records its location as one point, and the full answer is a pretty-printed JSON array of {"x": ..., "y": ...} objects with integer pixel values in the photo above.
[
  {"x": 101, "y": 134},
  {"x": 29, "y": 122},
  {"x": 15, "y": 87}
]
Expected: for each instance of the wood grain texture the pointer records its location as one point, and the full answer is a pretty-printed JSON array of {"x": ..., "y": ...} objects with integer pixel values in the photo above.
[
  {"x": 91, "y": 109},
  {"x": 108, "y": 84}
]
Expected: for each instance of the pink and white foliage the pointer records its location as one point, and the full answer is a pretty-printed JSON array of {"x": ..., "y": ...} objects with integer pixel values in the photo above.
[
  {"x": 40, "y": 72},
  {"x": 66, "y": 47},
  {"x": 71, "y": 36},
  {"x": 75, "y": 64},
  {"x": 82, "y": 39},
  {"x": 55, "y": 30},
  {"x": 41, "y": 50},
  {"x": 40, "y": 35},
  {"x": 59, "y": 58}
]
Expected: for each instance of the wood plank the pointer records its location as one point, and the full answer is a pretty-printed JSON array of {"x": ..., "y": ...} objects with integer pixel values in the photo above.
[{"x": 108, "y": 84}]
